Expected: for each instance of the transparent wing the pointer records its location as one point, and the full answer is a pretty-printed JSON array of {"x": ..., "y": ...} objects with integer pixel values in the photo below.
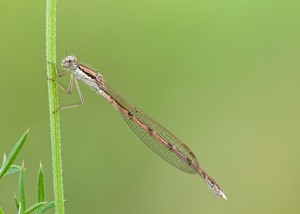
[{"x": 156, "y": 146}]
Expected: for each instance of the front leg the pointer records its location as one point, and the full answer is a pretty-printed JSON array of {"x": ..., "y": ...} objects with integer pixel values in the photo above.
[
  {"x": 58, "y": 74},
  {"x": 69, "y": 90}
]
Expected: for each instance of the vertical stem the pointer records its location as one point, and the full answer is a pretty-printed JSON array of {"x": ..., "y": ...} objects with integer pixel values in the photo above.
[{"x": 53, "y": 106}]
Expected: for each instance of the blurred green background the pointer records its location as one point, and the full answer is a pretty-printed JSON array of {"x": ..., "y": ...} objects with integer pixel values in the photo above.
[{"x": 222, "y": 75}]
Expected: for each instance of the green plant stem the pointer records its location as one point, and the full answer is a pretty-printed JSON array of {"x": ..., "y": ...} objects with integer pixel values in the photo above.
[{"x": 53, "y": 106}]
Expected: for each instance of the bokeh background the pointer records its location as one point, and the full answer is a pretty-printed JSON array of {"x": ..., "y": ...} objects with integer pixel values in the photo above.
[{"x": 222, "y": 75}]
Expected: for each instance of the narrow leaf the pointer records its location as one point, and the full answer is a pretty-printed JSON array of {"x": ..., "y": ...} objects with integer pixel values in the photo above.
[
  {"x": 17, "y": 202},
  {"x": 1, "y": 211},
  {"x": 41, "y": 193},
  {"x": 49, "y": 205},
  {"x": 41, "y": 189},
  {"x": 34, "y": 207},
  {"x": 20, "y": 209},
  {"x": 13, "y": 169},
  {"x": 22, "y": 189},
  {"x": 4, "y": 160},
  {"x": 13, "y": 154}
]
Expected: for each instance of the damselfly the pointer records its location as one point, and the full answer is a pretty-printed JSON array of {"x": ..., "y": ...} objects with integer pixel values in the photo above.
[{"x": 155, "y": 136}]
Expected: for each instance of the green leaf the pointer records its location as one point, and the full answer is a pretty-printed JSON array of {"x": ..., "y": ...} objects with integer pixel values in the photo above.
[
  {"x": 1, "y": 211},
  {"x": 13, "y": 154},
  {"x": 17, "y": 202},
  {"x": 41, "y": 189},
  {"x": 34, "y": 207},
  {"x": 13, "y": 169},
  {"x": 20, "y": 209},
  {"x": 22, "y": 189},
  {"x": 49, "y": 205},
  {"x": 4, "y": 159}
]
